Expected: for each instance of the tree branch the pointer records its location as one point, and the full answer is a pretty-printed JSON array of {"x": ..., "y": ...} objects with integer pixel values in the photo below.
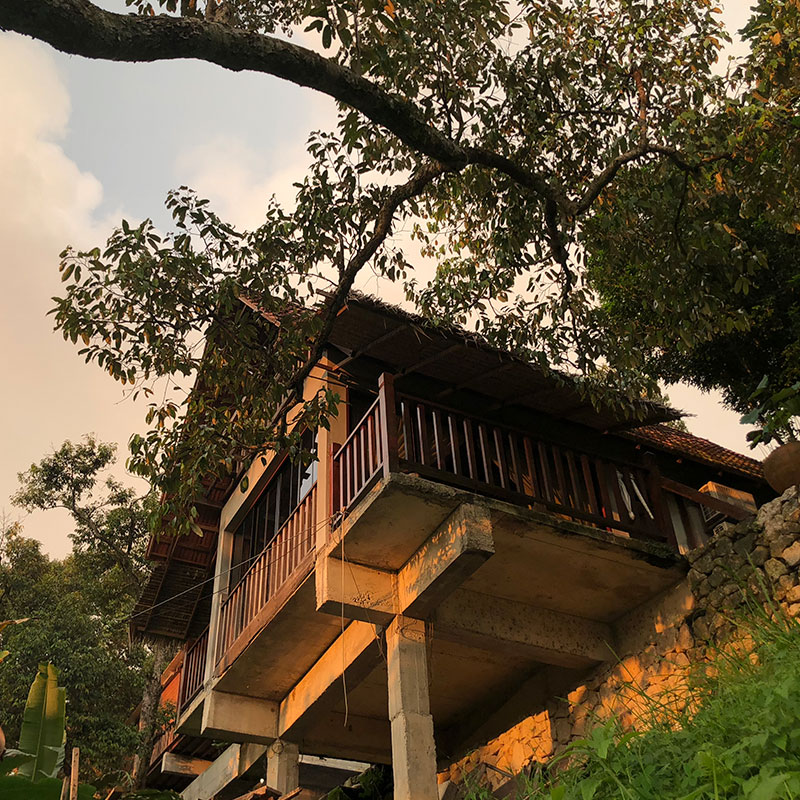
[
  {"x": 81, "y": 28},
  {"x": 336, "y": 300}
]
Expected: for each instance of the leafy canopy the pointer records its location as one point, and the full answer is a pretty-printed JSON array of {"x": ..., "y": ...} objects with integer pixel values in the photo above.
[{"x": 509, "y": 139}]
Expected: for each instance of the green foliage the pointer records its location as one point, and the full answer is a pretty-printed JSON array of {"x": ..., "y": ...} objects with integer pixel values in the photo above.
[
  {"x": 761, "y": 303},
  {"x": 13, "y": 787},
  {"x": 374, "y": 783},
  {"x": 742, "y": 742},
  {"x": 775, "y": 413},
  {"x": 43, "y": 726},
  {"x": 13, "y": 759},
  {"x": 78, "y": 606},
  {"x": 74, "y": 623}
]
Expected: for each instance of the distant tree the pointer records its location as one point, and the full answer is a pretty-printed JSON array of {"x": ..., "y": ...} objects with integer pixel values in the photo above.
[
  {"x": 80, "y": 606},
  {"x": 110, "y": 519},
  {"x": 72, "y": 625}
]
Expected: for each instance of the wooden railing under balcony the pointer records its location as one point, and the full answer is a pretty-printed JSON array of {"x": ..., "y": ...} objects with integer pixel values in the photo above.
[
  {"x": 193, "y": 671},
  {"x": 268, "y": 572},
  {"x": 409, "y": 434},
  {"x": 163, "y": 743}
]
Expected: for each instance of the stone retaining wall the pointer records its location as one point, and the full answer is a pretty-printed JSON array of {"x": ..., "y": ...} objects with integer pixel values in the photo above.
[{"x": 659, "y": 642}]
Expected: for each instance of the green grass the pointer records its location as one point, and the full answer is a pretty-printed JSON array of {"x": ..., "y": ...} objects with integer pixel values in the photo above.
[{"x": 741, "y": 740}]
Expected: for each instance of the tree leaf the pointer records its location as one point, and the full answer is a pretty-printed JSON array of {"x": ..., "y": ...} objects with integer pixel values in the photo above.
[{"x": 43, "y": 725}]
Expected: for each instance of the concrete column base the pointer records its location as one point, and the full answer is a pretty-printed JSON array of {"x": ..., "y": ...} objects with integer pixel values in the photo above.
[
  {"x": 283, "y": 766},
  {"x": 413, "y": 745}
]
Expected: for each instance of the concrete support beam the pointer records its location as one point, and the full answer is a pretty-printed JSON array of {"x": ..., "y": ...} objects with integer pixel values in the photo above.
[
  {"x": 338, "y": 764},
  {"x": 358, "y": 592},
  {"x": 175, "y": 764},
  {"x": 355, "y": 652},
  {"x": 231, "y": 764},
  {"x": 238, "y": 718},
  {"x": 413, "y": 746},
  {"x": 283, "y": 766},
  {"x": 350, "y": 737},
  {"x": 492, "y": 623},
  {"x": 458, "y": 547}
]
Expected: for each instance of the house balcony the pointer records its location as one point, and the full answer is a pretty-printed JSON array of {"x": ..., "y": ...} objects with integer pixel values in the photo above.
[{"x": 521, "y": 554}]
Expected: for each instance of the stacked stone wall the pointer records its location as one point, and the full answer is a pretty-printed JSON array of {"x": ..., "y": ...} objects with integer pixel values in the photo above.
[{"x": 659, "y": 644}]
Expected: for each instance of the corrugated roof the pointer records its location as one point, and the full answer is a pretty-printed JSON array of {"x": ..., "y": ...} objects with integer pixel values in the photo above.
[
  {"x": 407, "y": 342},
  {"x": 665, "y": 437}
]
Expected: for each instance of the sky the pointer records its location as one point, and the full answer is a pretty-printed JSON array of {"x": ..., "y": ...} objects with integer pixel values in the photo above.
[{"x": 84, "y": 144}]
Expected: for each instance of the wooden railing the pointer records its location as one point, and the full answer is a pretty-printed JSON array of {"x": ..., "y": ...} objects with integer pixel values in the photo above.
[
  {"x": 365, "y": 454},
  {"x": 503, "y": 462},
  {"x": 268, "y": 572},
  {"x": 193, "y": 672},
  {"x": 409, "y": 434},
  {"x": 162, "y": 744},
  {"x": 694, "y": 514}
]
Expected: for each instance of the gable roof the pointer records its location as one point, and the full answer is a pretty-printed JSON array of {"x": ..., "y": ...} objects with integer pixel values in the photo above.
[{"x": 447, "y": 353}]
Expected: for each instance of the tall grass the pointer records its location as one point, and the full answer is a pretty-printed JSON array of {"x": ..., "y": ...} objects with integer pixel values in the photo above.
[{"x": 737, "y": 737}]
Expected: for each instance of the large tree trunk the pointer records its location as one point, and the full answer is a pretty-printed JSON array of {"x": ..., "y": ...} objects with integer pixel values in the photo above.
[{"x": 162, "y": 652}]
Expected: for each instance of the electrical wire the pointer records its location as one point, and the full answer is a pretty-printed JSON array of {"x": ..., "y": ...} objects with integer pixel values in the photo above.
[{"x": 230, "y": 569}]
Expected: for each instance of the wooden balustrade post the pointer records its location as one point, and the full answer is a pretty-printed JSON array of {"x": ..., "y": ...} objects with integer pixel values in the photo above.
[
  {"x": 73, "y": 773},
  {"x": 334, "y": 487},
  {"x": 656, "y": 492},
  {"x": 388, "y": 407},
  {"x": 182, "y": 681}
]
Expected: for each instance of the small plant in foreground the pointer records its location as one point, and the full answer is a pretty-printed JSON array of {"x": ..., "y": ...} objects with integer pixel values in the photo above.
[{"x": 739, "y": 737}]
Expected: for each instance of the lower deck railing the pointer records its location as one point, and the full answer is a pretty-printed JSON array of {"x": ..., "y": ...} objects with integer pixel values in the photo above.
[
  {"x": 193, "y": 670},
  {"x": 162, "y": 744},
  {"x": 268, "y": 572}
]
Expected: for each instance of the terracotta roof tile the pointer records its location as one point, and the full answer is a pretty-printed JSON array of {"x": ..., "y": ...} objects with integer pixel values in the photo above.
[{"x": 665, "y": 437}]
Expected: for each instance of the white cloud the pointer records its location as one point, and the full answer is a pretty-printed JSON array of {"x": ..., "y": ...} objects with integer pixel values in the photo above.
[
  {"x": 46, "y": 203},
  {"x": 238, "y": 180}
]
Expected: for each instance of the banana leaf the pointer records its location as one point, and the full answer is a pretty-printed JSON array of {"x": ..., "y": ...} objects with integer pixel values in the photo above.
[
  {"x": 13, "y": 787},
  {"x": 43, "y": 733},
  {"x": 13, "y": 759}
]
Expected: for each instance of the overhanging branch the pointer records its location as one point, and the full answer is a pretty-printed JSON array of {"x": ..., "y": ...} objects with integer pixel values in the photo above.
[
  {"x": 81, "y": 28},
  {"x": 336, "y": 300}
]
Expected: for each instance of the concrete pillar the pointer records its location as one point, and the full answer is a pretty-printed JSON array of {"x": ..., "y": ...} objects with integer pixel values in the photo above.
[
  {"x": 334, "y": 434},
  {"x": 283, "y": 766},
  {"x": 222, "y": 568},
  {"x": 413, "y": 747}
]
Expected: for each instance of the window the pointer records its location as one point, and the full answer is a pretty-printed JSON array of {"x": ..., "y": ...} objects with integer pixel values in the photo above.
[{"x": 288, "y": 487}]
